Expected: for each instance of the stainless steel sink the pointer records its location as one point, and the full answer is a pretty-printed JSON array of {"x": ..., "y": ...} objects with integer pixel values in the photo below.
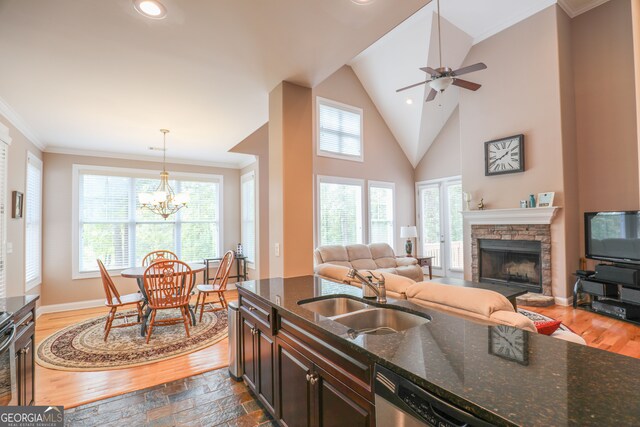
[
  {"x": 331, "y": 307},
  {"x": 380, "y": 321}
]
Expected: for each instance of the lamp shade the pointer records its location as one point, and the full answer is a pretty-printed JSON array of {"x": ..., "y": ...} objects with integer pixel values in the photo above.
[{"x": 408, "y": 232}]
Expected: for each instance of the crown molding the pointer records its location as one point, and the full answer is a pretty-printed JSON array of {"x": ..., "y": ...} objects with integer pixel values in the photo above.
[
  {"x": 16, "y": 120},
  {"x": 248, "y": 161},
  {"x": 141, "y": 157},
  {"x": 541, "y": 5},
  {"x": 575, "y": 11}
]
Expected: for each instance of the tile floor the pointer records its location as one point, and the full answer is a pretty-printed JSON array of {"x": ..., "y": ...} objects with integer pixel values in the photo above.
[{"x": 209, "y": 399}]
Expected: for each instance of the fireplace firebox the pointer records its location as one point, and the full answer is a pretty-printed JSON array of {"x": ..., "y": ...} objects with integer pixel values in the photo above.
[{"x": 511, "y": 262}]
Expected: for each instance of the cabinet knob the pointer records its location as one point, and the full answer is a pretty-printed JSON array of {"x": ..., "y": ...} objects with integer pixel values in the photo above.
[
  {"x": 252, "y": 308},
  {"x": 308, "y": 377},
  {"x": 313, "y": 379}
]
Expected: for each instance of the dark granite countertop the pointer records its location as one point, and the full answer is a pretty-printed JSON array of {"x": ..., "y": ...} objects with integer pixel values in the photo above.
[
  {"x": 560, "y": 384},
  {"x": 15, "y": 304}
]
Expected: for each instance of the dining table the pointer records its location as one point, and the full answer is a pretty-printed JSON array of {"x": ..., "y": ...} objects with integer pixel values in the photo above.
[{"x": 138, "y": 274}]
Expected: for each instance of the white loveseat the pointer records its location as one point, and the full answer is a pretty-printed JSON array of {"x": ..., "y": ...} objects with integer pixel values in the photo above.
[{"x": 375, "y": 257}]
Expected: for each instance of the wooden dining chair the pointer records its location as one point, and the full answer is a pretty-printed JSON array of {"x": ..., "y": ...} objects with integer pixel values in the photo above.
[
  {"x": 217, "y": 286},
  {"x": 160, "y": 255},
  {"x": 168, "y": 286},
  {"x": 114, "y": 301}
]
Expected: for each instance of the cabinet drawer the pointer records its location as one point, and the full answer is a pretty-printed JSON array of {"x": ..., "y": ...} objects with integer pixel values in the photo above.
[
  {"x": 354, "y": 370},
  {"x": 600, "y": 289},
  {"x": 257, "y": 310},
  {"x": 24, "y": 323}
]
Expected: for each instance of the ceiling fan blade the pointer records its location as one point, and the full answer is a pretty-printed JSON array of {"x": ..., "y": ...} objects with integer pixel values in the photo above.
[
  {"x": 430, "y": 71},
  {"x": 470, "y": 69},
  {"x": 413, "y": 85},
  {"x": 465, "y": 84},
  {"x": 431, "y": 95}
]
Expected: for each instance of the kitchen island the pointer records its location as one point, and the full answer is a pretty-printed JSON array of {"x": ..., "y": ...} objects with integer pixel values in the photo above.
[{"x": 308, "y": 369}]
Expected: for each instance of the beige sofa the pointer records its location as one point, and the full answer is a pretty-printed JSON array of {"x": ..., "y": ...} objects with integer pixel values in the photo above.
[{"x": 375, "y": 257}]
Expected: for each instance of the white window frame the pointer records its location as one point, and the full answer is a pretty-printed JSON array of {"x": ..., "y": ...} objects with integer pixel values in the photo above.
[
  {"x": 251, "y": 175},
  {"x": 345, "y": 181},
  {"x": 33, "y": 160},
  {"x": 4, "y": 212},
  {"x": 341, "y": 106},
  {"x": 131, "y": 173},
  {"x": 383, "y": 184}
]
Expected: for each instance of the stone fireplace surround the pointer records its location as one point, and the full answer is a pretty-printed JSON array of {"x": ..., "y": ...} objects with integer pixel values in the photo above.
[{"x": 530, "y": 232}]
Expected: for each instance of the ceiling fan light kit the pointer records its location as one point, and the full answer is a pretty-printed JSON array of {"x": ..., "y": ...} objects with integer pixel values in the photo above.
[{"x": 443, "y": 77}]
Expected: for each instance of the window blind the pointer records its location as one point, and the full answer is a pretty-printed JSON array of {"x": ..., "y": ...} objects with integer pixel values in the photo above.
[
  {"x": 340, "y": 130},
  {"x": 33, "y": 222},
  {"x": 114, "y": 228},
  {"x": 430, "y": 214},
  {"x": 340, "y": 212},
  {"x": 381, "y": 220},
  {"x": 248, "y": 208},
  {"x": 4, "y": 210}
]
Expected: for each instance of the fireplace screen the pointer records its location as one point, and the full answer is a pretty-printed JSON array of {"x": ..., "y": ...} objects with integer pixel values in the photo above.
[{"x": 512, "y": 263}]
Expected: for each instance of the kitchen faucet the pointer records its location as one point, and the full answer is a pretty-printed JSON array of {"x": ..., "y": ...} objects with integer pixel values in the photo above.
[{"x": 378, "y": 288}]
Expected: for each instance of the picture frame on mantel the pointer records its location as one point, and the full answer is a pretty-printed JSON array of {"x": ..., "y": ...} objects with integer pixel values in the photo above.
[
  {"x": 545, "y": 200},
  {"x": 16, "y": 204}
]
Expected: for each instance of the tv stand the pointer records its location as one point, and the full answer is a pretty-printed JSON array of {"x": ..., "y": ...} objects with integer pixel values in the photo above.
[{"x": 619, "y": 299}]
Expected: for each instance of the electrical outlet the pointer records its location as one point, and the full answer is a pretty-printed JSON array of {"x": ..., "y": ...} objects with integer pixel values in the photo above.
[{"x": 277, "y": 249}]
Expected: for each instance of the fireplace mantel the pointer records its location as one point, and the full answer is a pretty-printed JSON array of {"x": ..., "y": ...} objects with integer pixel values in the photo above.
[{"x": 510, "y": 216}]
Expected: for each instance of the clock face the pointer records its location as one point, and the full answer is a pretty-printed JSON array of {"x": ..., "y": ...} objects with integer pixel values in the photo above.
[
  {"x": 509, "y": 343},
  {"x": 504, "y": 156}
]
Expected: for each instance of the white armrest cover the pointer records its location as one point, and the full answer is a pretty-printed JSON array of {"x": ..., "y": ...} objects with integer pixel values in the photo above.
[{"x": 405, "y": 260}]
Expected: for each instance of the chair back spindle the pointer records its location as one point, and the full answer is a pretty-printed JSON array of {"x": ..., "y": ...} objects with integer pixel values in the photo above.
[
  {"x": 110, "y": 290},
  {"x": 222, "y": 273},
  {"x": 159, "y": 255},
  {"x": 168, "y": 284}
]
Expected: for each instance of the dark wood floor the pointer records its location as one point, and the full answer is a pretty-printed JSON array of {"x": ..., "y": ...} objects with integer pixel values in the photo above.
[{"x": 209, "y": 399}]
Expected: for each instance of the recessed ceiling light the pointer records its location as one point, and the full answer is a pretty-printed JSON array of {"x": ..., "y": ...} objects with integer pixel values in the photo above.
[
  {"x": 363, "y": 2},
  {"x": 150, "y": 8},
  {"x": 409, "y": 101}
]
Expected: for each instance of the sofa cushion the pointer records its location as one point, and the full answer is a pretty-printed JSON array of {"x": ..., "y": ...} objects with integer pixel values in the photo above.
[
  {"x": 383, "y": 255},
  {"x": 332, "y": 271},
  {"x": 405, "y": 260},
  {"x": 413, "y": 272},
  {"x": 335, "y": 254},
  {"x": 479, "y": 301},
  {"x": 511, "y": 318},
  {"x": 360, "y": 257}
]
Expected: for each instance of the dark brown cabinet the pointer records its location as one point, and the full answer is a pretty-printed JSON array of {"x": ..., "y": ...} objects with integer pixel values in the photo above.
[
  {"x": 258, "y": 351},
  {"x": 309, "y": 396},
  {"x": 24, "y": 320}
]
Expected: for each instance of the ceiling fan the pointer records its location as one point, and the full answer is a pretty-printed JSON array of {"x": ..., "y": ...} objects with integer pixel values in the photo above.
[{"x": 443, "y": 77}]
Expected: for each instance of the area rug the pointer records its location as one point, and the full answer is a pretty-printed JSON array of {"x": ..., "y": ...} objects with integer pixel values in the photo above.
[{"x": 80, "y": 347}]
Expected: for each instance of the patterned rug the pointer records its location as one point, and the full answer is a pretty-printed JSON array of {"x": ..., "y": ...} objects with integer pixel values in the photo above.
[
  {"x": 81, "y": 347},
  {"x": 537, "y": 317}
]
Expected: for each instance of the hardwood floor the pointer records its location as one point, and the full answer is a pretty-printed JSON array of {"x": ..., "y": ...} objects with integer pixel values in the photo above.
[
  {"x": 71, "y": 389},
  {"x": 76, "y": 388},
  {"x": 599, "y": 331}
]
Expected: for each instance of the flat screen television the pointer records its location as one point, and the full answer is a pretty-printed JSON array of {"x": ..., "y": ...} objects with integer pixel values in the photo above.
[{"x": 613, "y": 236}]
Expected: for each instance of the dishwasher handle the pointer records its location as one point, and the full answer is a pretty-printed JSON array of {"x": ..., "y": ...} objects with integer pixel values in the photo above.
[{"x": 420, "y": 403}]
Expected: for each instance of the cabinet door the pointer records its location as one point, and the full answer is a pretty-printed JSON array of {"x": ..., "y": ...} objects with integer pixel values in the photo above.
[
  {"x": 265, "y": 358},
  {"x": 248, "y": 354},
  {"x": 293, "y": 388},
  {"x": 338, "y": 405},
  {"x": 24, "y": 368}
]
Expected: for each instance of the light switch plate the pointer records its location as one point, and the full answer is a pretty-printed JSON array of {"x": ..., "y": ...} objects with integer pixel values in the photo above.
[{"x": 277, "y": 249}]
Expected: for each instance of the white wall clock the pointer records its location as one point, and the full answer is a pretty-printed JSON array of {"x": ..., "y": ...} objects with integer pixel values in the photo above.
[
  {"x": 509, "y": 343},
  {"x": 504, "y": 155}
]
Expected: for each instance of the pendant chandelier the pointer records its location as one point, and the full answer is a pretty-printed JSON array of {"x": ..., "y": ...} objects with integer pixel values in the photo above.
[{"x": 164, "y": 201}]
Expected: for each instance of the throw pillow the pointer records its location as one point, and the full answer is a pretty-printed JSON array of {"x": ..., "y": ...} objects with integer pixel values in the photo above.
[{"x": 547, "y": 327}]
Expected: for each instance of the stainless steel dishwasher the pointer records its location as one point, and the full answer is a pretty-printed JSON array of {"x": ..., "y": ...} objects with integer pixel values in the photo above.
[
  {"x": 401, "y": 403},
  {"x": 235, "y": 359}
]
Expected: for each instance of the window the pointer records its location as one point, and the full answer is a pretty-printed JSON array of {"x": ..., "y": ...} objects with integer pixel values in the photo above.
[
  {"x": 33, "y": 222},
  {"x": 248, "y": 208},
  {"x": 381, "y": 213},
  {"x": 339, "y": 130},
  {"x": 340, "y": 211},
  {"x": 112, "y": 226}
]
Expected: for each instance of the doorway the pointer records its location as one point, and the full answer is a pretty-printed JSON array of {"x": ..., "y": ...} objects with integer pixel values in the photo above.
[{"x": 440, "y": 231}]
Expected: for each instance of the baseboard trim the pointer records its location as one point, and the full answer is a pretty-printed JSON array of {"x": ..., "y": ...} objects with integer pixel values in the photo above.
[
  {"x": 79, "y": 305},
  {"x": 564, "y": 301}
]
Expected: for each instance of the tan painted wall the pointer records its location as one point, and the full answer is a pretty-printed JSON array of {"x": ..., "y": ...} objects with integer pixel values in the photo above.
[
  {"x": 58, "y": 286},
  {"x": 606, "y": 124},
  {"x": 258, "y": 144},
  {"x": 290, "y": 180},
  {"x": 16, "y": 181},
  {"x": 635, "y": 22},
  {"x": 442, "y": 159},
  {"x": 384, "y": 160},
  {"x": 520, "y": 94}
]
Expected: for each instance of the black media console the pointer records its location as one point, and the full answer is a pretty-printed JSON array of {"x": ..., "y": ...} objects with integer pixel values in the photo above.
[{"x": 612, "y": 289}]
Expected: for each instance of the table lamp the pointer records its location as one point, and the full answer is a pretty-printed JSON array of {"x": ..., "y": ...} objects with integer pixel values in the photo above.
[{"x": 408, "y": 232}]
